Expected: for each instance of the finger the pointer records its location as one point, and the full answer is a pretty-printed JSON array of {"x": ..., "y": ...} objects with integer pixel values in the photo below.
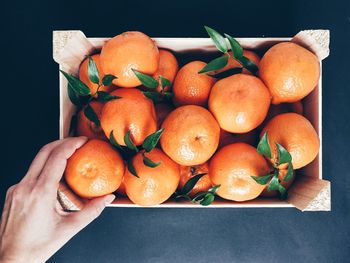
[
  {"x": 91, "y": 211},
  {"x": 6, "y": 208},
  {"x": 39, "y": 161},
  {"x": 56, "y": 163},
  {"x": 8, "y": 198}
]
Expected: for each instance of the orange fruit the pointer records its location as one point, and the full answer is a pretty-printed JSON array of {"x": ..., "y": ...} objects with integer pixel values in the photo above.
[
  {"x": 87, "y": 128},
  {"x": 134, "y": 112},
  {"x": 296, "y": 134},
  {"x": 277, "y": 109},
  {"x": 239, "y": 103},
  {"x": 154, "y": 185},
  {"x": 121, "y": 189},
  {"x": 191, "y": 135},
  {"x": 162, "y": 111},
  {"x": 286, "y": 185},
  {"x": 232, "y": 63},
  {"x": 127, "y": 51},
  {"x": 187, "y": 172},
  {"x": 84, "y": 76},
  {"x": 95, "y": 169},
  {"x": 167, "y": 67},
  {"x": 290, "y": 72},
  {"x": 232, "y": 167},
  {"x": 191, "y": 88},
  {"x": 229, "y": 138}
]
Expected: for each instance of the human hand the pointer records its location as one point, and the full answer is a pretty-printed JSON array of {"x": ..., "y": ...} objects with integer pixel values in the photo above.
[{"x": 33, "y": 224}]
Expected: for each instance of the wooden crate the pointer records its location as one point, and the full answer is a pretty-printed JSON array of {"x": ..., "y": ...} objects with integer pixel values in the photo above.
[{"x": 308, "y": 193}]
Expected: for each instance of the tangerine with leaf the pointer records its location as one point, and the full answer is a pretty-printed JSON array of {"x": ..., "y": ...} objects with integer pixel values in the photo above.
[
  {"x": 86, "y": 126},
  {"x": 132, "y": 113},
  {"x": 84, "y": 74},
  {"x": 282, "y": 174},
  {"x": 167, "y": 70},
  {"x": 285, "y": 184},
  {"x": 191, "y": 87},
  {"x": 233, "y": 63},
  {"x": 188, "y": 172},
  {"x": 233, "y": 166},
  {"x": 154, "y": 179},
  {"x": 296, "y": 134}
]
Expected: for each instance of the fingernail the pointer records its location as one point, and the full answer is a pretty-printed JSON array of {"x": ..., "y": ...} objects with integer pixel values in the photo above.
[{"x": 109, "y": 199}]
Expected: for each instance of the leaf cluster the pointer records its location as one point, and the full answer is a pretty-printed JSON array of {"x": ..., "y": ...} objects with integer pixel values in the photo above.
[
  {"x": 203, "y": 198},
  {"x": 80, "y": 94},
  {"x": 271, "y": 179},
  {"x": 220, "y": 62}
]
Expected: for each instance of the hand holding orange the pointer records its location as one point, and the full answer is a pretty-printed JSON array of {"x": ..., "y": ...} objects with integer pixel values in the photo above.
[{"x": 95, "y": 169}]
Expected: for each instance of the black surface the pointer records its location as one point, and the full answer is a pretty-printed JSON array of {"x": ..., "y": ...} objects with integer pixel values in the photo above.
[{"x": 29, "y": 115}]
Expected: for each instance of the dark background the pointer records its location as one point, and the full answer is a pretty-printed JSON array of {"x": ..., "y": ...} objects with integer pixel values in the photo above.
[{"x": 29, "y": 119}]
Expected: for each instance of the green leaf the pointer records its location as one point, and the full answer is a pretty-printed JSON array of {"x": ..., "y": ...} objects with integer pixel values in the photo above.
[
  {"x": 84, "y": 100},
  {"x": 237, "y": 50},
  {"x": 77, "y": 85},
  {"x": 215, "y": 64},
  {"x": 199, "y": 196},
  {"x": 152, "y": 140},
  {"x": 129, "y": 143},
  {"x": 289, "y": 174},
  {"x": 208, "y": 199},
  {"x": 105, "y": 96},
  {"x": 227, "y": 73},
  {"x": 148, "y": 162},
  {"x": 164, "y": 82},
  {"x": 214, "y": 188},
  {"x": 283, "y": 155},
  {"x": 218, "y": 39},
  {"x": 93, "y": 71},
  {"x": 114, "y": 142},
  {"x": 108, "y": 79},
  {"x": 131, "y": 168},
  {"x": 264, "y": 146},
  {"x": 274, "y": 183},
  {"x": 154, "y": 96},
  {"x": 178, "y": 197},
  {"x": 146, "y": 80},
  {"x": 91, "y": 115},
  {"x": 283, "y": 192},
  {"x": 262, "y": 179},
  {"x": 74, "y": 98},
  {"x": 249, "y": 65},
  {"x": 191, "y": 183}
]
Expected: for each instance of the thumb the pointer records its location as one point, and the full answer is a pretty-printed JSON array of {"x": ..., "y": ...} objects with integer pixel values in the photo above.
[{"x": 91, "y": 211}]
